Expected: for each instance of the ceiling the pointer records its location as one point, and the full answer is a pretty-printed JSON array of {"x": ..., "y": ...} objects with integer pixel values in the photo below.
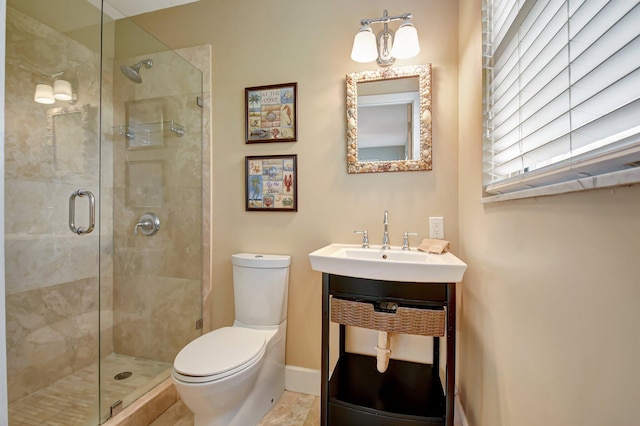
[
  {"x": 80, "y": 24},
  {"x": 136, "y": 7},
  {"x": 55, "y": 13}
]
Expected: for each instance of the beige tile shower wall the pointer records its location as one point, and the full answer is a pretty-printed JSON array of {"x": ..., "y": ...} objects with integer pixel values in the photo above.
[
  {"x": 157, "y": 279},
  {"x": 51, "y": 273}
]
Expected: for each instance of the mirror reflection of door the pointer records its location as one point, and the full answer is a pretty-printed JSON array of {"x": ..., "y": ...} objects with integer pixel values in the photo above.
[
  {"x": 389, "y": 127},
  {"x": 389, "y": 120}
]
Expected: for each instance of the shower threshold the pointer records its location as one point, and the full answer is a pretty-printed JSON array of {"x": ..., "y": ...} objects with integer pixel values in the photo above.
[{"x": 73, "y": 399}]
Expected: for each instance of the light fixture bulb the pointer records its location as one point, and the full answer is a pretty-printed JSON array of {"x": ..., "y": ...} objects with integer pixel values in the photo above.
[
  {"x": 44, "y": 94},
  {"x": 364, "y": 45},
  {"x": 405, "y": 43},
  {"x": 62, "y": 90}
]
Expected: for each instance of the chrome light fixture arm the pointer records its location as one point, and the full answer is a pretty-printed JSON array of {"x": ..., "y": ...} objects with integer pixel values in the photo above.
[{"x": 385, "y": 18}]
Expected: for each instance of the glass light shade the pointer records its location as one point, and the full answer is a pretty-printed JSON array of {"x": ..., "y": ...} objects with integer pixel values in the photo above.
[
  {"x": 44, "y": 94},
  {"x": 62, "y": 90},
  {"x": 405, "y": 43},
  {"x": 364, "y": 45}
]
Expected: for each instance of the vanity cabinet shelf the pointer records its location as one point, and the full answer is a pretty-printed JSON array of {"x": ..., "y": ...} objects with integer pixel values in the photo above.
[{"x": 408, "y": 393}]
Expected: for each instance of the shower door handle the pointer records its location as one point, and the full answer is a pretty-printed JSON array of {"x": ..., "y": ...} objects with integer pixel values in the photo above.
[{"x": 72, "y": 212}]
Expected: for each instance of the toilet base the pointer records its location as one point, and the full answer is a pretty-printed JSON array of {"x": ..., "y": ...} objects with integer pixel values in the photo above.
[{"x": 264, "y": 392}]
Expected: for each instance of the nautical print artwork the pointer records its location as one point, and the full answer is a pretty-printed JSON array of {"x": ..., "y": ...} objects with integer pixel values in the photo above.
[
  {"x": 271, "y": 113},
  {"x": 271, "y": 183}
]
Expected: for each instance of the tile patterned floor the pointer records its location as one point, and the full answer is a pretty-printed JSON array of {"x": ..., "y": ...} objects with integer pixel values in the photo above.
[
  {"x": 293, "y": 409},
  {"x": 45, "y": 407},
  {"x": 73, "y": 400}
]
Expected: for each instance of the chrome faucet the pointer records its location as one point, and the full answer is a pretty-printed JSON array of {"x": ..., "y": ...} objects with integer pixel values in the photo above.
[
  {"x": 365, "y": 238},
  {"x": 405, "y": 239},
  {"x": 385, "y": 236}
]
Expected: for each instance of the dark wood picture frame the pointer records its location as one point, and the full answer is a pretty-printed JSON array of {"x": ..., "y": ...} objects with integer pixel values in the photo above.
[
  {"x": 271, "y": 183},
  {"x": 271, "y": 113}
]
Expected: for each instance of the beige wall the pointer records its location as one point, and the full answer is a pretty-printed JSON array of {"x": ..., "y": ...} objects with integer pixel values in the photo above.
[
  {"x": 551, "y": 299},
  {"x": 260, "y": 43}
]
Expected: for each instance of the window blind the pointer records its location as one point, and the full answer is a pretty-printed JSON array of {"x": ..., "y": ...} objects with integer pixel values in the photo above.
[{"x": 561, "y": 90}]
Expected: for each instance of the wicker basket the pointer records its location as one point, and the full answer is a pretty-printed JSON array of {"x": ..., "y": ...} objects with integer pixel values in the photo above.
[{"x": 423, "y": 322}]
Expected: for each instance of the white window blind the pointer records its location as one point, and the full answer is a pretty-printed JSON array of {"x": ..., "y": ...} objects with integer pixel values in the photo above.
[{"x": 561, "y": 91}]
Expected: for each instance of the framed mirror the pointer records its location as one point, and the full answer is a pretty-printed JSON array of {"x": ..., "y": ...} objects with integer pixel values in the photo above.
[{"x": 389, "y": 120}]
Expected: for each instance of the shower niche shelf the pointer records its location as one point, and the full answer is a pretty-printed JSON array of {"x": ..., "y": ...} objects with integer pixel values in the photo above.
[{"x": 148, "y": 131}]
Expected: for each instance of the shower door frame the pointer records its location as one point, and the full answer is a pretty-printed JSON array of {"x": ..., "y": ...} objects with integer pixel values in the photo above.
[{"x": 4, "y": 403}]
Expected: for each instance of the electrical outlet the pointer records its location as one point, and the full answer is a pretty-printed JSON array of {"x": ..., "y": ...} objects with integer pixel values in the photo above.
[{"x": 436, "y": 228}]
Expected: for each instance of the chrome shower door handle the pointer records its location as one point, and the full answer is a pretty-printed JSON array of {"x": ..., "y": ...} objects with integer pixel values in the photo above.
[{"x": 72, "y": 212}]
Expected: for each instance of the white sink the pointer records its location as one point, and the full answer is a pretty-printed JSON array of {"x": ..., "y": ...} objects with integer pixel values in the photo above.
[{"x": 394, "y": 264}]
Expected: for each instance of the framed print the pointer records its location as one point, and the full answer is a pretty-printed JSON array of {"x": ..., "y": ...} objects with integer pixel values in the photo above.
[
  {"x": 271, "y": 113},
  {"x": 271, "y": 183}
]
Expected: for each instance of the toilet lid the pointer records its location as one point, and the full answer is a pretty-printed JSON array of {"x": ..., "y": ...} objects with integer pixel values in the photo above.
[{"x": 219, "y": 352}]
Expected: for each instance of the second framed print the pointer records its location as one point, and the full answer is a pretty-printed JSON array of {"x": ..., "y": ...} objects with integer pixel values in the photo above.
[
  {"x": 271, "y": 113},
  {"x": 271, "y": 183}
]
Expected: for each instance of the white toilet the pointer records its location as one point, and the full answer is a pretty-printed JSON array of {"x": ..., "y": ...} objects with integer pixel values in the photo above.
[{"x": 233, "y": 375}]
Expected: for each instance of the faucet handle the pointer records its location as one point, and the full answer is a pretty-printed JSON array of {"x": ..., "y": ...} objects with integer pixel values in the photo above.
[
  {"x": 149, "y": 224},
  {"x": 405, "y": 239},
  {"x": 365, "y": 238}
]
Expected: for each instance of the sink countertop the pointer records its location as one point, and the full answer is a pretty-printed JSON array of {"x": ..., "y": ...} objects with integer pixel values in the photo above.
[{"x": 393, "y": 264}]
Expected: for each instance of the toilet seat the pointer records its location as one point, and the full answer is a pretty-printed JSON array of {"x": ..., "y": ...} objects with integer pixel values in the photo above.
[{"x": 219, "y": 354}]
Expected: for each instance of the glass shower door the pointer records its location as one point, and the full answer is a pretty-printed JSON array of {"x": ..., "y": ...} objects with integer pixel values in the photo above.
[
  {"x": 96, "y": 317},
  {"x": 52, "y": 141},
  {"x": 151, "y": 212}
]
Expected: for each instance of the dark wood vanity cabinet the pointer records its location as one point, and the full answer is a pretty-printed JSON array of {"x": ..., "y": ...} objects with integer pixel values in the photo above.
[{"x": 408, "y": 393}]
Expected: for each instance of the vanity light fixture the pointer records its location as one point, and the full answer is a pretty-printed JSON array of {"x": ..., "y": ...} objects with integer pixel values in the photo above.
[
  {"x": 44, "y": 94},
  {"x": 60, "y": 90},
  {"x": 385, "y": 48}
]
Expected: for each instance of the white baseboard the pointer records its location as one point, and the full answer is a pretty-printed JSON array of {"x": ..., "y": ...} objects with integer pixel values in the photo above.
[{"x": 303, "y": 380}]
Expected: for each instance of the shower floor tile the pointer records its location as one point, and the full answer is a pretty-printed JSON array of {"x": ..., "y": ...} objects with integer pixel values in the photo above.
[{"x": 73, "y": 400}]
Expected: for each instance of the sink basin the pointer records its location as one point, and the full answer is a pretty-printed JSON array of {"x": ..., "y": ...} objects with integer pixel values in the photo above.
[{"x": 394, "y": 264}]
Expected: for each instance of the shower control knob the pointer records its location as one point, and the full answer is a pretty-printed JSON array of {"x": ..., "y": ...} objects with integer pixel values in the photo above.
[{"x": 149, "y": 224}]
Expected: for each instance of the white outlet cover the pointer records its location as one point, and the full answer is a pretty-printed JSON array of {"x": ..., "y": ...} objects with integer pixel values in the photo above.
[{"x": 436, "y": 228}]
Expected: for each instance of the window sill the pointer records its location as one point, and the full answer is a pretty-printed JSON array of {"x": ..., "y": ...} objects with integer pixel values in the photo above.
[{"x": 609, "y": 180}]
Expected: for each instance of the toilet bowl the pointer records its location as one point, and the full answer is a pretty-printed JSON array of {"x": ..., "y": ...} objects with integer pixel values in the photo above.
[
  {"x": 239, "y": 380},
  {"x": 233, "y": 375}
]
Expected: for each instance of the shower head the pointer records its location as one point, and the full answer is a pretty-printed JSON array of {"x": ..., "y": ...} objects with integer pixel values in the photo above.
[{"x": 133, "y": 72}]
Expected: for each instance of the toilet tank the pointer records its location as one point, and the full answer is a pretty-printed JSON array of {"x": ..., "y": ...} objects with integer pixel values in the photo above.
[{"x": 261, "y": 287}]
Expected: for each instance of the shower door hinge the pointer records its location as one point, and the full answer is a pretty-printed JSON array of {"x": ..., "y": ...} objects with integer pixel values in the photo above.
[
  {"x": 116, "y": 408},
  {"x": 199, "y": 324},
  {"x": 199, "y": 101}
]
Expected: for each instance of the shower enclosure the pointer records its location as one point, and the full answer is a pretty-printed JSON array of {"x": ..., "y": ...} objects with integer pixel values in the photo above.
[{"x": 103, "y": 219}]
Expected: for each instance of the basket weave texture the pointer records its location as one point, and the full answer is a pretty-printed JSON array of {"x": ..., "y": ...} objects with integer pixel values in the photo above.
[{"x": 423, "y": 322}]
